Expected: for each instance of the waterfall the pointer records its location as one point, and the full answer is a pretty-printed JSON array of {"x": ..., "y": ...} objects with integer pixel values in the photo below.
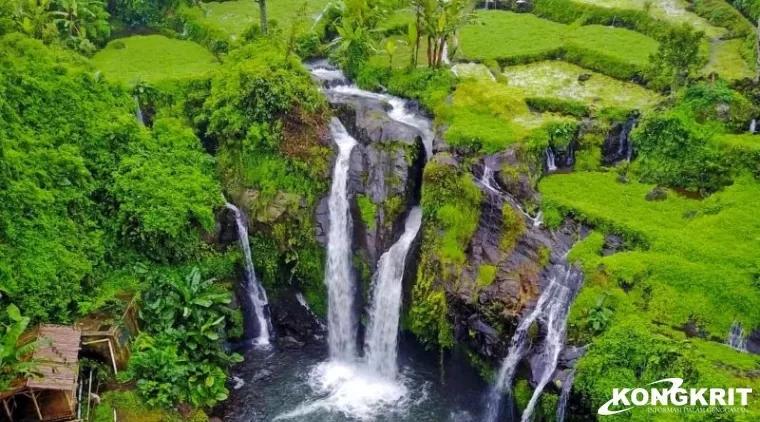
[
  {"x": 624, "y": 142},
  {"x": 552, "y": 309},
  {"x": 488, "y": 184},
  {"x": 338, "y": 85},
  {"x": 341, "y": 322},
  {"x": 255, "y": 291},
  {"x": 736, "y": 337},
  {"x": 753, "y": 126},
  {"x": 382, "y": 330},
  {"x": 564, "y": 396},
  {"x": 550, "y": 165},
  {"x": 302, "y": 301},
  {"x": 138, "y": 111}
]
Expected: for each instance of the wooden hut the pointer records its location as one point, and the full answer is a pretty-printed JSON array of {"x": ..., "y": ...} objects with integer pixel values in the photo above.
[
  {"x": 51, "y": 394},
  {"x": 107, "y": 336}
]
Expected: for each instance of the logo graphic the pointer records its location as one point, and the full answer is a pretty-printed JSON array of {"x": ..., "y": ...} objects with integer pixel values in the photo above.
[{"x": 673, "y": 396}]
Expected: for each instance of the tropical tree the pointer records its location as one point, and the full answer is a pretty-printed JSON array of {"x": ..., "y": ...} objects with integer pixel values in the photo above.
[
  {"x": 34, "y": 18},
  {"x": 439, "y": 21},
  {"x": 263, "y": 16},
  {"x": 676, "y": 59},
  {"x": 14, "y": 362}
]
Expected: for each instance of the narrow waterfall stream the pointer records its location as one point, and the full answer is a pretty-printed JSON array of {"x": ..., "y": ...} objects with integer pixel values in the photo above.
[
  {"x": 736, "y": 337},
  {"x": 382, "y": 331},
  {"x": 341, "y": 322},
  {"x": 488, "y": 184},
  {"x": 550, "y": 163},
  {"x": 256, "y": 293},
  {"x": 564, "y": 396},
  {"x": 551, "y": 309},
  {"x": 138, "y": 111}
]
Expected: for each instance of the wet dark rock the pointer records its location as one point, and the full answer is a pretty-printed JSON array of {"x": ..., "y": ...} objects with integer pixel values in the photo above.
[
  {"x": 617, "y": 144},
  {"x": 367, "y": 120},
  {"x": 583, "y": 77},
  {"x": 322, "y": 226},
  {"x": 753, "y": 342},
  {"x": 475, "y": 323},
  {"x": 290, "y": 343},
  {"x": 612, "y": 244},
  {"x": 657, "y": 193},
  {"x": 622, "y": 178},
  {"x": 413, "y": 106},
  {"x": 293, "y": 323},
  {"x": 570, "y": 355}
]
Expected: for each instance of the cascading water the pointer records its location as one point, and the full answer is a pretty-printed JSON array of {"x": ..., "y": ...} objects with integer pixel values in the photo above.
[
  {"x": 556, "y": 322},
  {"x": 138, "y": 111},
  {"x": 382, "y": 331},
  {"x": 256, "y": 293},
  {"x": 337, "y": 85},
  {"x": 552, "y": 308},
  {"x": 564, "y": 396},
  {"x": 518, "y": 348},
  {"x": 736, "y": 337},
  {"x": 487, "y": 182},
  {"x": 550, "y": 164},
  {"x": 341, "y": 323},
  {"x": 753, "y": 126}
]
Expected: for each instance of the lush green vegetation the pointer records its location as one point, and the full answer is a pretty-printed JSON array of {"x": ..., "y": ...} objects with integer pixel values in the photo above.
[
  {"x": 234, "y": 17},
  {"x": 153, "y": 59}
]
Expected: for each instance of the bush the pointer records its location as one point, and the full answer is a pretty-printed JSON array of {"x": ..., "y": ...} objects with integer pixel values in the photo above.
[{"x": 556, "y": 105}]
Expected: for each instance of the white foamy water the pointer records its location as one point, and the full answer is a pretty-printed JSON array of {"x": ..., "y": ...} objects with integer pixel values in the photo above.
[
  {"x": 382, "y": 331},
  {"x": 341, "y": 322},
  {"x": 398, "y": 110},
  {"x": 256, "y": 292},
  {"x": 736, "y": 337},
  {"x": 354, "y": 391}
]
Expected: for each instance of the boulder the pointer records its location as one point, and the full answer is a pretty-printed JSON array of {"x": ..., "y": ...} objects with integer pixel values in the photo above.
[{"x": 657, "y": 193}]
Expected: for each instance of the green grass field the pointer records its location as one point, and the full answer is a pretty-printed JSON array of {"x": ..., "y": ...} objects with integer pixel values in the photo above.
[
  {"x": 152, "y": 59},
  {"x": 235, "y": 16},
  {"x": 673, "y": 11},
  {"x": 558, "y": 79},
  {"x": 518, "y": 38},
  {"x": 694, "y": 258},
  {"x": 507, "y": 35},
  {"x": 726, "y": 60}
]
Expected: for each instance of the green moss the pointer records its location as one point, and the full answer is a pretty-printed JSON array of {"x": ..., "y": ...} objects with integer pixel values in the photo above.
[
  {"x": 484, "y": 369},
  {"x": 726, "y": 60},
  {"x": 513, "y": 227},
  {"x": 544, "y": 254},
  {"x": 522, "y": 394},
  {"x": 486, "y": 275},
  {"x": 368, "y": 210},
  {"x": 153, "y": 59}
]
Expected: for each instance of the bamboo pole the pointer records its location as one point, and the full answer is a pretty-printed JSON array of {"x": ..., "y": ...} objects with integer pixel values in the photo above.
[
  {"x": 7, "y": 410},
  {"x": 36, "y": 406}
]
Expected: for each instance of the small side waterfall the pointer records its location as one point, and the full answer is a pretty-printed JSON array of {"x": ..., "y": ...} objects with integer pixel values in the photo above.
[
  {"x": 138, "y": 111},
  {"x": 753, "y": 126},
  {"x": 550, "y": 164},
  {"x": 341, "y": 322},
  {"x": 252, "y": 286},
  {"x": 564, "y": 396},
  {"x": 488, "y": 184},
  {"x": 552, "y": 309},
  {"x": 736, "y": 337},
  {"x": 382, "y": 330}
]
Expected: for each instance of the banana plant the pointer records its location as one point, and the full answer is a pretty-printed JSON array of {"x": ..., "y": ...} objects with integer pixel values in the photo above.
[{"x": 14, "y": 358}]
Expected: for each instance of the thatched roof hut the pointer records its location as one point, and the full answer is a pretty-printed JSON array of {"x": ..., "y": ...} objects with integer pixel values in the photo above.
[{"x": 51, "y": 394}]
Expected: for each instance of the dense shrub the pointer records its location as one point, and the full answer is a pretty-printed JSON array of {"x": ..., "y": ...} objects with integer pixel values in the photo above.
[
  {"x": 556, "y": 105},
  {"x": 673, "y": 152}
]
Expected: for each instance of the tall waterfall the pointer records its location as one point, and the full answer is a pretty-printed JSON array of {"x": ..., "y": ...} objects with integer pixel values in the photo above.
[
  {"x": 564, "y": 396},
  {"x": 550, "y": 164},
  {"x": 341, "y": 322},
  {"x": 552, "y": 309},
  {"x": 736, "y": 337},
  {"x": 382, "y": 331},
  {"x": 753, "y": 126},
  {"x": 254, "y": 289},
  {"x": 138, "y": 111}
]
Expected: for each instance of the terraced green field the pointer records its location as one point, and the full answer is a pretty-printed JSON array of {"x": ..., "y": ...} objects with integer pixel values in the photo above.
[
  {"x": 152, "y": 59},
  {"x": 557, "y": 79},
  {"x": 726, "y": 60},
  {"x": 517, "y": 38},
  {"x": 689, "y": 247},
  {"x": 674, "y": 11},
  {"x": 235, "y": 16}
]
